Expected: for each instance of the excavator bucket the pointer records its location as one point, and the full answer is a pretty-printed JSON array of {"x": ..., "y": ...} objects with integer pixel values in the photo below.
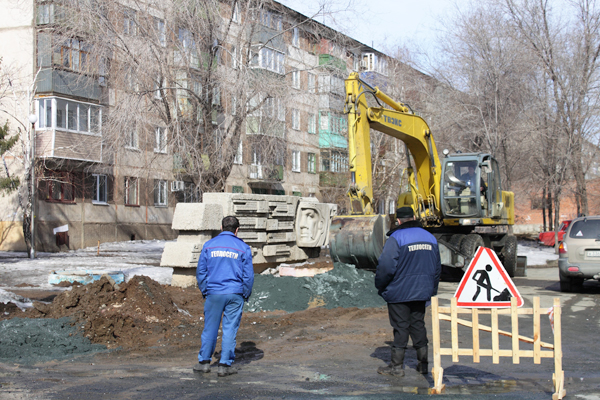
[{"x": 358, "y": 240}]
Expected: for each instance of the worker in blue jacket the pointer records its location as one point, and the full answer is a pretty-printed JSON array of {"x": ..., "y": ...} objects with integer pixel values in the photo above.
[
  {"x": 407, "y": 276},
  {"x": 225, "y": 277}
]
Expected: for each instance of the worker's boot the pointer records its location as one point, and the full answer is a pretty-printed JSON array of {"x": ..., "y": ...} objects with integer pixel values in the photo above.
[
  {"x": 224, "y": 370},
  {"x": 203, "y": 366},
  {"x": 396, "y": 367},
  {"x": 422, "y": 365}
]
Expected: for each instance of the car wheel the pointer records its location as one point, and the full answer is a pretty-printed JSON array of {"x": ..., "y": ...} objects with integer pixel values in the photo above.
[
  {"x": 569, "y": 285},
  {"x": 509, "y": 255},
  {"x": 469, "y": 246}
]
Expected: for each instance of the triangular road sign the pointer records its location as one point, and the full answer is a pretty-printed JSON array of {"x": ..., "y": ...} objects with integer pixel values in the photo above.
[{"x": 486, "y": 283}]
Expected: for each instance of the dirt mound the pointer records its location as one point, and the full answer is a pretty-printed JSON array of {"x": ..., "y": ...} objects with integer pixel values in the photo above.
[{"x": 134, "y": 314}]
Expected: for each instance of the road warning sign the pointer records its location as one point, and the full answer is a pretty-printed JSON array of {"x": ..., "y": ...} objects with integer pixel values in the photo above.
[{"x": 486, "y": 283}]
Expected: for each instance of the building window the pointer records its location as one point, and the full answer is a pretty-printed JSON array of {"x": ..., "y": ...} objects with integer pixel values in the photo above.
[
  {"x": 334, "y": 161},
  {"x": 189, "y": 194},
  {"x": 235, "y": 13},
  {"x": 129, "y": 27},
  {"x": 269, "y": 59},
  {"x": 45, "y": 13},
  {"x": 312, "y": 123},
  {"x": 238, "y": 155},
  {"x": 100, "y": 189},
  {"x": 72, "y": 54},
  {"x": 160, "y": 193},
  {"x": 311, "y": 83},
  {"x": 237, "y": 189},
  {"x": 131, "y": 191},
  {"x": 311, "y": 163},
  {"x": 295, "y": 37},
  {"x": 296, "y": 119},
  {"x": 69, "y": 115},
  {"x": 295, "y": 161},
  {"x": 60, "y": 187},
  {"x": 161, "y": 32},
  {"x": 161, "y": 140},
  {"x": 295, "y": 193},
  {"x": 271, "y": 20},
  {"x": 296, "y": 79},
  {"x": 131, "y": 138}
]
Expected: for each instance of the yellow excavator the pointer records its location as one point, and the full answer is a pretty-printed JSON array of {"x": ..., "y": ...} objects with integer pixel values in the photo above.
[{"x": 459, "y": 199}]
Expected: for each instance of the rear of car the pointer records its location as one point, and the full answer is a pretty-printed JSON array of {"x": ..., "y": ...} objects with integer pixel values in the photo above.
[{"x": 579, "y": 253}]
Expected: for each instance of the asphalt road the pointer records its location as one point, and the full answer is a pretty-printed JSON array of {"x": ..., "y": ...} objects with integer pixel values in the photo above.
[{"x": 166, "y": 374}]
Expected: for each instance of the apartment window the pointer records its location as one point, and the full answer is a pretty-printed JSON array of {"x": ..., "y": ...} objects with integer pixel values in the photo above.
[
  {"x": 271, "y": 20},
  {"x": 131, "y": 191},
  {"x": 312, "y": 123},
  {"x": 161, "y": 140},
  {"x": 235, "y": 13},
  {"x": 234, "y": 105},
  {"x": 296, "y": 79},
  {"x": 311, "y": 83},
  {"x": 269, "y": 59},
  {"x": 45, "y": 13},
  {"x": 295, "y": 193},
  {"x": 69, "y": 115},
  {"x": 311, "y": 165},
  {"x": 324, "y": 121},
  {"x": 72, "y": 54},
  {"x": 131, "y": 138},
  {"x": 129, "y": 27},
  {"x": 237, "y": 189},
  {"x": 295, "y": 161},
  {"x": 295, "y": 119},
  {"x": 238, "y": 155},
  {"x": 60, "y": 187},
  {"x": 234, "y": 57},
  {"x": 334, "y": 161},
  {"x": 216, "y": 100},
  {"x": 161, "y": 31},
  {"x": 295, "y": 37},
  {"x": 160, "y": 193},
  {"x": 280, "y": 110},
  {"x": 100, "y": 189}
]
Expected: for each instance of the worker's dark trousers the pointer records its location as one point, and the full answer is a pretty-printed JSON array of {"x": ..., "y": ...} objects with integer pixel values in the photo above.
[{"x": 408, "y": 319}]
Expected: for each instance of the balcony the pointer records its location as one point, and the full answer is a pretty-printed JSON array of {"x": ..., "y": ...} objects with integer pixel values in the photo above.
[
  {"x": 329, "y": 61},
  {"x": 68, "y": 83},
  {"x": 268, "y": 173}
]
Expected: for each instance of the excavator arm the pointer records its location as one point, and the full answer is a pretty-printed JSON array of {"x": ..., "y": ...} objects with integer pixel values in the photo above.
[{"x": 398, "y": 122}]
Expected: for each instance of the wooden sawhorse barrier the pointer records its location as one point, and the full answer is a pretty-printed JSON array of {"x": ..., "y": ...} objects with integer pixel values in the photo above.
[{"x": 451, "y": 314}]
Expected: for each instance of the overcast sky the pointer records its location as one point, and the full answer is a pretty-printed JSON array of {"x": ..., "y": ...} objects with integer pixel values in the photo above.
[{"x": 382, "y": 24}]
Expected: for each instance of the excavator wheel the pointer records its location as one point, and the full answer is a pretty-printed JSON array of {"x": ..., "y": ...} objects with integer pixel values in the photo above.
[
  {"x": 457, "y": 240},
  {"x": 509, "y": 255},
  {"x": 358, "y": 240},
  {"x": 469, "y": 246}
]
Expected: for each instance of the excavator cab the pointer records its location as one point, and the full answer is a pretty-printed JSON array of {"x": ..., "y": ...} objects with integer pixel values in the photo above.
[{"x": 470, "y": 187}]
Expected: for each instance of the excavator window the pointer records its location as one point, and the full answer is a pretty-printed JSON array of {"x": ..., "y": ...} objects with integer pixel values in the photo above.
[{"x": 461, "y": 186}]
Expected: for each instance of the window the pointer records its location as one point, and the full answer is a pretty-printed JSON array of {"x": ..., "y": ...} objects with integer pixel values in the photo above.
[
  {"x": 269, "y": 59},
  {"x": 234, "y": 105},
  {"x": 99, "y": 195},
  {"x": 160, "y": 193},
  {"x": 334, "y": 161},
  {"x": 295, "y": 37},
  {"x": 161, "y": 31},
  {"x": 189, "y": 194},
  {"x": 312, "y": 163},
  {"x": 234, "y": 57},
  {"x": 296, "y": 79},
  {"x": 295, "y": 193},
  {"x": 295, "y": 161},
  {"x": 70, "y": 115},
  {"x": 131, "y": 191},
  {"x": 72, "y": 54},
  {"x": 295, "y": 119},
  {"x": 131, "y": 138},
  {"x": 235, "y": 13},
  {"x": 311, "y": 83},
  {"x": 237, "y": 189},
  {"x": 238, "y": 155},
  {"x": 281, "y": 110},
  {"x": 129, "y": 27},
  {"x": 216, "y": 100},
  {"x": 60, "y": 187},
  {"x": 271, "y": 20},
  {"x": 161, "y": 140},
  {"x": 45, "y": 13},
  {"x": 312, "y": 123}
]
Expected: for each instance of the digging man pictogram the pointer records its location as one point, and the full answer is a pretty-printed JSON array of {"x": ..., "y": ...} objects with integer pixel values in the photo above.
[{"x": 483, "y": 281}]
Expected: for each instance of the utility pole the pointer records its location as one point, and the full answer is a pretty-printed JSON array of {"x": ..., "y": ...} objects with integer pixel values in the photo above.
[{"x": 32, "y": 119}]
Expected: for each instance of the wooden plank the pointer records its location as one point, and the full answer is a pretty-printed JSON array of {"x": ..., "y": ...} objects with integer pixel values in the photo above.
[
  {"x": 559, "y": 391},
  {"x": 515, "y": 329},
  {"x": 495, "y": 338},
  {"x": 501, "y": 332},
  {"x": 454, "y": 329},
  {"x": 435, "y": 328},
  {"x": 447, "y": 351},
  {"x": 475, "y": 323},
  {"x": 483, "y": 311},
  {"x": 536, "y": 331}
]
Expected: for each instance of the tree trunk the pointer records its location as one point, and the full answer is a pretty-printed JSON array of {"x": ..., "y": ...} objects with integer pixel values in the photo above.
[
  {"x": 544, "y": 208},
  {"x": 550, "y": 210}
]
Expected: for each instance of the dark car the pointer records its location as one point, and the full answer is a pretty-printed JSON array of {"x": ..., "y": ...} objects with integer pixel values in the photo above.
[
  {"x": 579, "y": 253},
  {"x": 547, "y": 238}
]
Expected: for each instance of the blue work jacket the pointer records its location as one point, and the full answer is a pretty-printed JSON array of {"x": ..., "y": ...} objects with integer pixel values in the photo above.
[
  {"x": 409, "y": 266},
  {"x": 225, "y": 266}
]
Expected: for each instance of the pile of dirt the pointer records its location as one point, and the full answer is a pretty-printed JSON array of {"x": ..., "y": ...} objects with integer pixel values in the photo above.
[{"x": 134, "y": 314}]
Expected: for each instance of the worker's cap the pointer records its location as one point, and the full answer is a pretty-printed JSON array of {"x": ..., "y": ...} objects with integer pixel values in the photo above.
[{"x": 405, "y": 212}]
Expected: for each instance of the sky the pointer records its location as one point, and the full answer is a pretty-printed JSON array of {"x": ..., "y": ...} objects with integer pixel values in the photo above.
[{"x": 382, "y": 24}]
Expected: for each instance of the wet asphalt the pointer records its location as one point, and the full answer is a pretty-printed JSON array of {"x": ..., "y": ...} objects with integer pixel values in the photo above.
[{"x": 166, "y": 376}]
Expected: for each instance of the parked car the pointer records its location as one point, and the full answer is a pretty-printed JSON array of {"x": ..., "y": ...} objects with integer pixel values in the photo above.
[
  {"x": 547, "y": 238},
  {"x": 579, "y": 253}
]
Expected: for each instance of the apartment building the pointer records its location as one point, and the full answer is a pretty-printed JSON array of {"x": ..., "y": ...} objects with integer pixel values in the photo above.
[{"x": 120, "y": 140}]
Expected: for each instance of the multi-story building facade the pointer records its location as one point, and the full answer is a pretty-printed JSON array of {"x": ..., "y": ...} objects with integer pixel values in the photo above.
[{"x": 108, "y": 173}]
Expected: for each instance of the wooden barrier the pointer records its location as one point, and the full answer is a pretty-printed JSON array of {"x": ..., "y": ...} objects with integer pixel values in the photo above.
[{"x": 451, "y": 314}]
